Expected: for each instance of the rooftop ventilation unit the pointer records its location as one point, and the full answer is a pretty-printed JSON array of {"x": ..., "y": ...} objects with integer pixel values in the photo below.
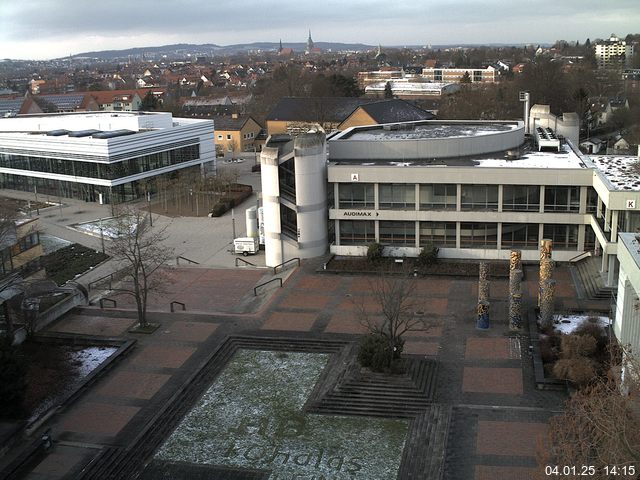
[{"x": 546, "y": 138}]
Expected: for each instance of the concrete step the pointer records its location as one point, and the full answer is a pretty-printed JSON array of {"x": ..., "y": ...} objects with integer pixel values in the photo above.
[{"x": 588, "y": 272}]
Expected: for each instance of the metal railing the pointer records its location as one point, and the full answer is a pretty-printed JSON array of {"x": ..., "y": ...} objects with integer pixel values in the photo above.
[
  {"x": 114, "y": 304},
  {"x": 296, "y": 259},
  {"x": 255, "y": 289},
  {"x": 580, "y": 256},
  {"x": 174, "y": 303},
  {"x": 238, "y": 259},
  {"x": 187, "y": 259}
]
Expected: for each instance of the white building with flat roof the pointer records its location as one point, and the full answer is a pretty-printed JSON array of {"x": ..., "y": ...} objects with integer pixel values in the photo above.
[
  {"x": 474, "y": 189},
  {"x": 100, "y": 156}
]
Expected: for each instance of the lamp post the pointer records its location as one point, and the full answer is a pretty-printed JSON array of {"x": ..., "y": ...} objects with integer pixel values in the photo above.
[
  {"x": 101, "y": 235},
  {"x": 149, "y": 208}
]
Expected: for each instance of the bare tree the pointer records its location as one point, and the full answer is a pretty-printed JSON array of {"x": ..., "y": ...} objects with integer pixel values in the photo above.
[
  {"x": 600, "y": 426},
  {"x": 399, "y": 310},
  {"x": 140, "y": 251}
]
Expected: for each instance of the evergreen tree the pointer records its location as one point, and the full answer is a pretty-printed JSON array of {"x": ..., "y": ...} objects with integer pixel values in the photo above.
[{"x": 388, "y": 92}]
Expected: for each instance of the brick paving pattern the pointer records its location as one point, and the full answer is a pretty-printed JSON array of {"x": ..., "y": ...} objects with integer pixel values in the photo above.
[
  {"x": 487, "y": 348},
  {"x": 509, "y": 438},
  {"x": 292, "y": 321},
  {"x": 484, "y": 472},
  {"x": 99, "y": 418},
  {"x": 188, "y": 331},
  {"x": 160, "y": 356},
  {"x": 134, "y": 384},
  {"x": 492, "y": 380}
]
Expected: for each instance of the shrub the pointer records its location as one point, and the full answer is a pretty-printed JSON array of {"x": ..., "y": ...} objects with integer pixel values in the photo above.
[
  {"x": 375, "y": 252},
  {"x": 375, "y": 352},
  {"x": 219, "y": 209},
  {"x": 596, "y": 331},
  {"x": 428, "y": 255},
  {"x": 578, "y": 370},
  {"x": 574, "y": 346},
  {"x": 548, "y": 352}
]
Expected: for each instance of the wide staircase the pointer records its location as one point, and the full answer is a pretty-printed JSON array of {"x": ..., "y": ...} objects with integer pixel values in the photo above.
[{"x": 590, "y": 281}]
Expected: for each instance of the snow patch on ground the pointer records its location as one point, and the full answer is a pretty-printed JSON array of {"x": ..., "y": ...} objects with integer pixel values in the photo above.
[
  {"x": 105, "y": 226},
  {"x": 567, "y": 324}
]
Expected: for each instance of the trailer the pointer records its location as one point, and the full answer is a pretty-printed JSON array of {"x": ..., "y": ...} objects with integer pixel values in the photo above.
[{"x": 246, "y": 245}]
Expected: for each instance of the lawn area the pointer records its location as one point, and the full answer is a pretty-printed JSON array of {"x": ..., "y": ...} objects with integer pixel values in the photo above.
[{"x": 253, "y": 417}]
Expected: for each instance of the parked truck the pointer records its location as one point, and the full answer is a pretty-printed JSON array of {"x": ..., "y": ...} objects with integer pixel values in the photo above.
[{"x": 246, "y": 245}]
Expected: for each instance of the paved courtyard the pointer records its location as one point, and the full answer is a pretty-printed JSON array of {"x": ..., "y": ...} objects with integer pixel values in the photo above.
[{"x": 498, "y": 416}]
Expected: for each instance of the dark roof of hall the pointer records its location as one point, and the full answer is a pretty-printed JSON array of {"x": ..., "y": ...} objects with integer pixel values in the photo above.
[
  {"x": 337, "y": 109},
  {"x": 229, "y": 123},
  {"x": 389, "y": 111}
]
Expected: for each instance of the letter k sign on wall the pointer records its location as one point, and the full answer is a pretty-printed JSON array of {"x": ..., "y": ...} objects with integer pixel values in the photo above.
[
  {"x": 631, "y": 204},
  {"x": 355, "y": 177}
]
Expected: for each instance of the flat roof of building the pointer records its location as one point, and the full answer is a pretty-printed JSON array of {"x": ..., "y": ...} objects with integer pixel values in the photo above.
[
  {"x": 95, "y": 125},
  {"x": 525, "y": 157},
  {"x": 622, "y": 171},
  {"x": 631, "y": 242},
  {"x": 431, "y": 130}
]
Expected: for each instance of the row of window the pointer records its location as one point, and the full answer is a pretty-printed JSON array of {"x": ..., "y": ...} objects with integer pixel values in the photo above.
[
  {"x": 401, "y": 196},
  {"x": 106, "y": 171},
  {"x": 25, "y": 243},
  {"x": 472, "y": 234}
]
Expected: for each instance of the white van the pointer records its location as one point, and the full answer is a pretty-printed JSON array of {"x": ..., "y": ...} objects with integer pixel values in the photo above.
[{"x": 246, "y": 245}]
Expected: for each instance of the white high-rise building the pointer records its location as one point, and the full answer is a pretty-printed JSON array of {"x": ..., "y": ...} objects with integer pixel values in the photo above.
[{"x": 613, "y": 53}]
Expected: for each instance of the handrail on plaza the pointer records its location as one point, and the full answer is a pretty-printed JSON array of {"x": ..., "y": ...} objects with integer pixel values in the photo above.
[
  {"x": 255, "y": 289},
  {"x": 175, "y": 302},
  {"x": 244, "y": 261},
  {"x": 296, "y": 259},
  {"x": 185, "y": 258},
  {"x": 114, "y": 304},
  {"x": 100, "y": 280}
]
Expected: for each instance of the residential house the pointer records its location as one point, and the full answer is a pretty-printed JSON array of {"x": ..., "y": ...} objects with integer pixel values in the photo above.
[
  {"x": 20, "y": 246},
  {"x": 236, "y": 133},
  {"x": 66, "y": 103},
  {"x": 384, "y": 111},
  {"x": 295, "y": 115},
  {"x": 11, "y": 105},
  {"x": 611, "y": 106},
  {"x": 593, "y": 145}
]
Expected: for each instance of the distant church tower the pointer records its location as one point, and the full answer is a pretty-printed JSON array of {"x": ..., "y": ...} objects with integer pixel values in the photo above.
[
  {"x": 280, "y": 49},
  {"x": 309, "y": 44}
]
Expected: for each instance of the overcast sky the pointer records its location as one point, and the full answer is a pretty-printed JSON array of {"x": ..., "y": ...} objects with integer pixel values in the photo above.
[{"x": 43, "y": 29}]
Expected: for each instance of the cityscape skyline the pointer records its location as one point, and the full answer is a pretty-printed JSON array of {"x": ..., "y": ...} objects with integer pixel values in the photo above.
[{"x": 63, "y": 29}]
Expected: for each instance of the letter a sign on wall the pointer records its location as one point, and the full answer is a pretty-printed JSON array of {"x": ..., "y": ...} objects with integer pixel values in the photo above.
[{"x": 355, "y": 177}]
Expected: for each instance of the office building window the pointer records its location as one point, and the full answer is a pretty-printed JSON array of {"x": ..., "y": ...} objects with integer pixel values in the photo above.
[
  {"x": 521, "y": 198},
  {"x": 356, "y": 195},
  {"x": 479, "y": 235},
  {"x": 564, "y": 237},
  {"x": 438, "y": 196},
  {"x": 357, "y": 232},
  {"x": 289, "y": 222},
  {"x": 439, "y": 234},
  {"x": 520, "y": 235},
  {"x": 592, "y": 200},
  {"x": 397, "y": 196},
  {"x": 398, "y": 233},
  {"x": 479, "y": 197},
  {"x": 561, "y": 199}
]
